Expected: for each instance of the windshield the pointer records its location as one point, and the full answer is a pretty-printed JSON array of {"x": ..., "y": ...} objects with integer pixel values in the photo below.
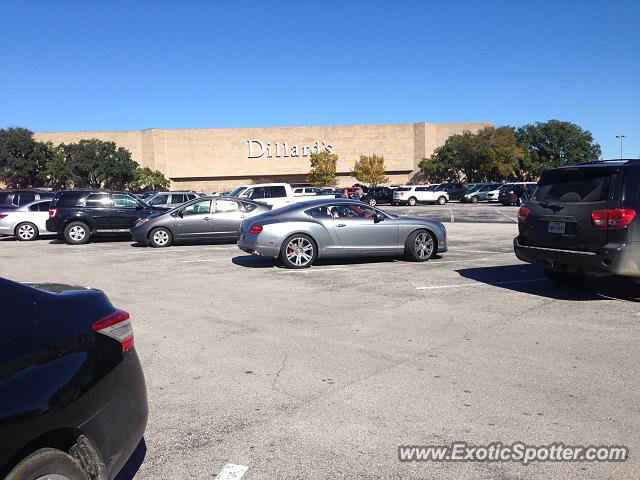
[
  {"x": 237, "y": 192},
  {"x": 573, "y": 186}
]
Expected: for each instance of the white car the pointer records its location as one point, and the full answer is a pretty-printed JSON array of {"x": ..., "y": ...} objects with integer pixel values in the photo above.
[
  {"x": 27, "y": 222},
  {"x": 492, "y": 196},
  {"x": 275, "y": 194},
  {"x": 413, "y": 194},
  {"x": 307, "y": 191}
]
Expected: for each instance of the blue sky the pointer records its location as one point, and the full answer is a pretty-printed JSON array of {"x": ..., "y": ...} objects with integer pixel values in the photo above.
[{"x": 118, "y": 65}]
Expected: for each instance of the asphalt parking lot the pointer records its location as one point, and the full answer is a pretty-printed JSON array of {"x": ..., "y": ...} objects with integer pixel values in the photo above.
[{"x": 323, "y": 373}]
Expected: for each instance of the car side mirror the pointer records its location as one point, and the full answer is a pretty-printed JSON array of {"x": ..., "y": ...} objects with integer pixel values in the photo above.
[{"x": 378, "y": 218}]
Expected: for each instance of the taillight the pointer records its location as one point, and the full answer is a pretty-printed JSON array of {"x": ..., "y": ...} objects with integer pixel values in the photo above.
[
  {"x": 53, "y": 212},
  {"x": 255, "y": 229},
  {"x": 523, "y": 213},
  {"x": 613, "y": 218},
  {"x": 2, "y": 215},
  {"x": 117, "y": 325}
]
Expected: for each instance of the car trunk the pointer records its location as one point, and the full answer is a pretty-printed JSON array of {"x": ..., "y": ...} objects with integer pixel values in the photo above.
[{"x": 560, "y": 212}]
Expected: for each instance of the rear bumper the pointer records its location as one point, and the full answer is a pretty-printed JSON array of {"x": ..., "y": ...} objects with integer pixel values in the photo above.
[
  {"x": 255, "y": 245},
  {"x": 53, "y": 224},
  {"x": 613, "y": 259}
]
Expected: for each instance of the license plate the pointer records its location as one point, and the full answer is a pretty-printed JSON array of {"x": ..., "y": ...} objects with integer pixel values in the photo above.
[{"x": 557, "y": 227}]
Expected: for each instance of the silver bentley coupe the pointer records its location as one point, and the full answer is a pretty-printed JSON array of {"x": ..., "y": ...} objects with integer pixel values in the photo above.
[{"x": 300, "y": 233}]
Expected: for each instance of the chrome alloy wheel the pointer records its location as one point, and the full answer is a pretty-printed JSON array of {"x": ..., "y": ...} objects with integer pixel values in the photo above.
[
  {"x": 299, "y": 251},
  {"x": 26, "y": 232},
  {"x": 53, "y": 476},
  {"x": 161, "y": 238},
  {"x": 77, "y": 233},
  {"x": 423, "y": 245}
]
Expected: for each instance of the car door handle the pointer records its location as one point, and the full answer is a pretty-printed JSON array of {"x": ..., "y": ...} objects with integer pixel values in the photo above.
[
  {"x": 206, "y": 219},
  {"x": 341, "y": 225}
]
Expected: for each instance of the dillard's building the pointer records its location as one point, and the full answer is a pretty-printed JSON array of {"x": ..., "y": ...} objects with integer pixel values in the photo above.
[{"x": 215, "y": 159}]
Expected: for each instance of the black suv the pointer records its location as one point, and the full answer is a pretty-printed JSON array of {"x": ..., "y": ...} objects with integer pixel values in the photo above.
[
  {"x": 11, "y": 199},
  {"x": 515, "y": 193},
  {"x": 582, "y": 220},
  {"x": 455, "y": 190},
  {"x": 377, "y": 195},
  {"x": 79, "y": 214}
]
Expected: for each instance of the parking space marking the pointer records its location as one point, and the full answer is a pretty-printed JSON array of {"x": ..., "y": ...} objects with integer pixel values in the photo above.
[
  {"x": 509, "y": 217},
  {"x": 231, "y": 471},
  {"x": 454, "y": 249},
  {"x": 481, "y": 284},
  {"x": 452, "y": 217}
]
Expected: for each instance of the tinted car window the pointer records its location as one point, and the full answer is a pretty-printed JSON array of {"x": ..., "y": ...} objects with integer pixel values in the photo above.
[
  {"x": 98, "y": 200},
  {"x": 69, "y": 199},
  {"x": 124, "y": 201},
  {"x": 24, "y": 198},
  {"x": 203, "y": 206},
  {"x": 34, "y": 207},
  {"x": 403, "y": 189},
  {"x": 44, "y": 206},
  {"x": 571, "y": 186},
  {"x": 4, "y": 199},
  {"x": 178, "y": 198},
  {"x": 275, "y": 191},
  {"x": 159, "y": 200}
]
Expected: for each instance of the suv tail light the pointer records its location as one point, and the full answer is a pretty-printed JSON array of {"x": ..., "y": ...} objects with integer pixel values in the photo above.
[
  {"x": 117, "y": 325},
  {"x": 53, "y": 212},
  {"x": 523, "y": 213},
  {"x": 2, "y": 215},
  {"x": 255, "y": 229},
  {"x": 613, "y": 218}
]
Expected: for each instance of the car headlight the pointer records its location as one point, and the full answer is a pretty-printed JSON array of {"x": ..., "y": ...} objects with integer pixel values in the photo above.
[{"x": 141, "y": 221}]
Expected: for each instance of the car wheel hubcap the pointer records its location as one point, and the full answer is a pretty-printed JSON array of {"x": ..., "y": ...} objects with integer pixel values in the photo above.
[
  {"x": 26, "y": 231},
  {"x": 53, "y": 476},
  {"x": 161, "y": 237},
  {"x": 299, "y": 251},
  {"x": 423, "y": 245},
  {"x": 77, "y": 233}
]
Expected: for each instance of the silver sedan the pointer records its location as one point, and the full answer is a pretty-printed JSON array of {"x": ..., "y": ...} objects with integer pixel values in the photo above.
[
  {"x": 300, "y": 233},
  {"x": 27, "y": 222}
]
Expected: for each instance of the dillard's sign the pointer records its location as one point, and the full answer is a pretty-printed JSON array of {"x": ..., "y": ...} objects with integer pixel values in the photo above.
[{"x": 259, "y": 148}]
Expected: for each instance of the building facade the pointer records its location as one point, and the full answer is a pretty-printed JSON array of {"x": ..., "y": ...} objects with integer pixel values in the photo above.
[{"x": 216, "y": 159}]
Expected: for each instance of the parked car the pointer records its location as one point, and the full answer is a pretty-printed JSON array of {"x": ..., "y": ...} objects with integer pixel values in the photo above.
[
  {"x": 14, "y": 198},
  {"x": 583, "y": 220},
  {"x": 77, "y": 215},
  {"x": 376, "y": 195},
  {"x": 336, "y": 192},
  {"x": 203, "y": 218},
  {"x": 478, "y": 193},
  {"x": 27, "y": 222},
  {"x": 307, "y": 191},
  {"x": 275, "y": 194},
  {"x": 454, "y": 190},
  {"x": 73, "y": 400},
  {"x": 300, "y": 233},
  {"x": 493, "y": 195},
  {"x": 413, "y": 194},
  {"x": 171, "y": 199},
  {"x": 516, "y": 193}
]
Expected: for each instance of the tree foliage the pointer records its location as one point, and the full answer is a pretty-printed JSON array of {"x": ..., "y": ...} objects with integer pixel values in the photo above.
[
  {"x": 145, "y": 179},
  {"x": 490, "y": 155},
  {"x": 25, "y": 163},
  {"x": 370, "y": 170},
  {"x": 323, "y": 169},
  {"x": 22, "y": 159},
  {"x": 554, "y": 143}
]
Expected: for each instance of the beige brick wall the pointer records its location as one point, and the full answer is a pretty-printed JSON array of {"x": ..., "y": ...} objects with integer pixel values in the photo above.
[{"x": 213, "y": 159}]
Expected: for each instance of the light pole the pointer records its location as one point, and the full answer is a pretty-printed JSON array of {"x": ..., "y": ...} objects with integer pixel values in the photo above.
[{"x": 621, "y": 137}]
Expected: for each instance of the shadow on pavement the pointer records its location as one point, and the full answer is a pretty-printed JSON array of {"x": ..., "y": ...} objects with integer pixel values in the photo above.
[
  {"x": 531, "y": 279},
  {"x": 254, "y": 261},
  {"x": 132, "y": 466}
]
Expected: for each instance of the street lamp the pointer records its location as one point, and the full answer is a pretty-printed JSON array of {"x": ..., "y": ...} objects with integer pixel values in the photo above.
[{"x": 621, "y": 137}]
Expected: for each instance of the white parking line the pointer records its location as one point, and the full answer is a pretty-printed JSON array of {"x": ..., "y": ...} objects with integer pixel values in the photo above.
[
  {"x": 453, "y": 249},
  {"x": 452, "y": 217},
  {"x": 509, "y": 217},
  {"x": 232, "y": 471},
  {"x": 480, "y": 284}
]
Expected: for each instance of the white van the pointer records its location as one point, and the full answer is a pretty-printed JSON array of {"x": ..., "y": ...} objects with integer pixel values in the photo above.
[
  {"x": 413, "y": 194},
  {"x": 275, "y": 194}
]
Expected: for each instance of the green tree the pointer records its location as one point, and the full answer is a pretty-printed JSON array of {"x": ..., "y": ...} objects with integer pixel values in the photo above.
[
  {"x": 98, "y": 164},
  {"x": 492, "y": 154},
  {"x": 370, "y": 170},
  {"x": 23, "y": 159},
  {"x": 554, "y": 143},
  {"x": 323, "y": 169},
  {"x": 145, "y": 179}
]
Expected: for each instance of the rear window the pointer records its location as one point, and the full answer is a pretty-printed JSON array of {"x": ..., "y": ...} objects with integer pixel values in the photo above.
[
  {"x": 69, "y": 199},
  {"x": 573, "y": 186},
  {"x": 276, "y": 191}
]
